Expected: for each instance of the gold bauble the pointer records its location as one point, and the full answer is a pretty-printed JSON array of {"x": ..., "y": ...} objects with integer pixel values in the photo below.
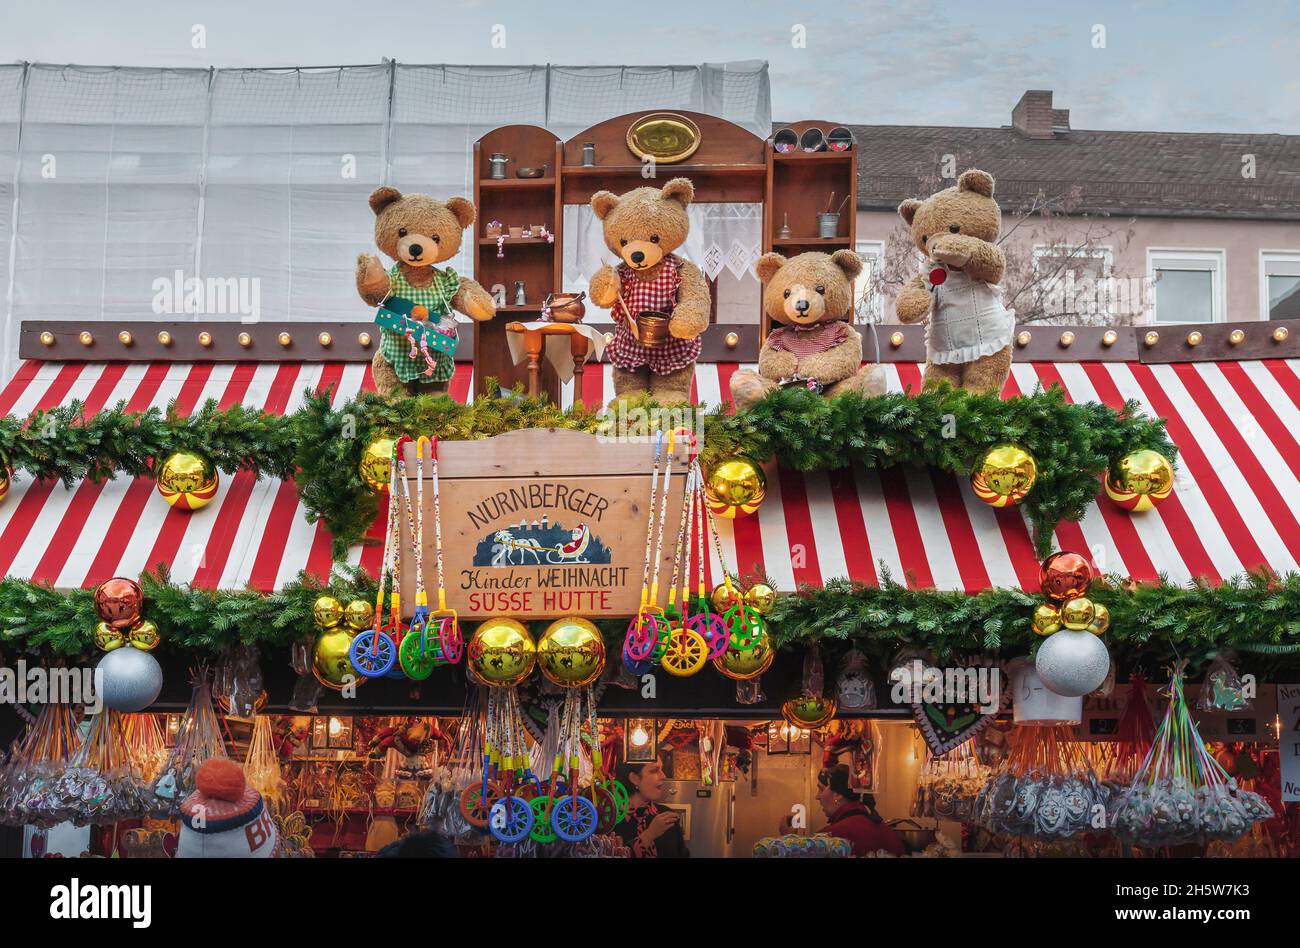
[
  {"x": 187, "y": 481},
  {"x": 724, "y": 597},
  {"x": 327, "y": 612},
  {"x": 742, "y": 664},
  {"x": 735, "y": 487},
  {"x": 359, "y": 615},
  {"x": 1100, "y": 619},
  {"x": 1004, "y": 476},
  {"x": 571, "y": 652},
  {"x": 108, "y": 638},
  {"x": 501, "y": 652},
  {"x": 330, "y": 662},
  {"x": 6, "y": 477},
  {"x": 761, "y": 598},
  {"x": 809, "y": 712},
  {"x": 144, "y": 636},
  {"x": 1078, "y": 613},
  {"x": 1141, "y": 480},
  {"x": 1047, "y": 619},
  {"x": 377, "y": 464}
]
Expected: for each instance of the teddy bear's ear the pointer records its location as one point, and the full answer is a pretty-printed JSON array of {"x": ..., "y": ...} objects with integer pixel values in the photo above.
[
  {"x": 380, "y": 198},
  {"x": 765, "y": 267},
  {"x": 680, "y": 189},
  {"x": 981, "y": 182},
  {"x": 602, "y": 202},
  {"x": 848, "y": 261},
  {"x": 907, "y": 210},
  {"x": 463, "y": 208}
]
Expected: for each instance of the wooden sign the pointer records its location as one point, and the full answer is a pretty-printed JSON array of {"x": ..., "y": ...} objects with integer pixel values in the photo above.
[
  {"x": 1288, "y": 724},
  {"x": 541, "y": 523}
]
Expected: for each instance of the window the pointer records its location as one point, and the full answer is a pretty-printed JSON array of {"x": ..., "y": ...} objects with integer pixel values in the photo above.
[
  {"x": 1279, "y": 277},
  {"x": 1187, "y": 285},
  {"x": 1069, "y": 283},
  {"x": 868, "y": 293}
]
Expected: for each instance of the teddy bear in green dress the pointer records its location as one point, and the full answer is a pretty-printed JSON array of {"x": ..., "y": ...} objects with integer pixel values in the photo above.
[{"x": 418, "y": 231}]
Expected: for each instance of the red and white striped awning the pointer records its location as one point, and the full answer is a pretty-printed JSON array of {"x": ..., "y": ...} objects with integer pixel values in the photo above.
[{"x": 1233, "y": 509}]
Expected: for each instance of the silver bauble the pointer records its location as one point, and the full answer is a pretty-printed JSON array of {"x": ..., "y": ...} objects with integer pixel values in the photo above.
[
  {"x": 131, "y": 680},
  {"x": 1071, "y": 664}
]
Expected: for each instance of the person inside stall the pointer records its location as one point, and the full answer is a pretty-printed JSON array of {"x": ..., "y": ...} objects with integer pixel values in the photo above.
[
  {"x": 649, "y": 830},
  {"x": 851, "y": 815}
]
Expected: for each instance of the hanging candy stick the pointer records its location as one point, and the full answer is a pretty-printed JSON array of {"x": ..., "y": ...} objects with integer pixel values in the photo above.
[
  {"x": 644, "y": 630},
  {"x": 418, "y": 657},
  {"x": 374, "y": 653},
  {"x": 706, "y": 622},
  {"x": 450, "y": 641}
]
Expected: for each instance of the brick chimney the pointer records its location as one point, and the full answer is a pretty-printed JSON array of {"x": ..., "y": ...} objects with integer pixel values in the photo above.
[{"x": 1034, "y": 116}]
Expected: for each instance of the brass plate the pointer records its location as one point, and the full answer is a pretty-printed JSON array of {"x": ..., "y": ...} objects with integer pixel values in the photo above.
[{"x": 664, "y": 136}]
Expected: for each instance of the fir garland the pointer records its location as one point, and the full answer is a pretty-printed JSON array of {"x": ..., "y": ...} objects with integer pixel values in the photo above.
[
  {"x": 1258, "y": 614},
  {"x": 321, "y": 447}
]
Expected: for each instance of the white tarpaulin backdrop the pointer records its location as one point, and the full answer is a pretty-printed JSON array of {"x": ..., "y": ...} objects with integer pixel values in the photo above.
[{"x": 113, "y": 178}]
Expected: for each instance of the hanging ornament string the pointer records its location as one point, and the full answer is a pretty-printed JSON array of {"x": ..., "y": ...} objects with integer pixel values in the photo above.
[
  {"x": 745, "y": 627},
  {"x": 704, "y": 620}
]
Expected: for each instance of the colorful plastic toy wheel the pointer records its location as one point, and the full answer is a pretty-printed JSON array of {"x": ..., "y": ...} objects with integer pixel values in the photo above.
[
  {"x": 642, "y": 634},
  {"x": 746, "y": 628},
  {"x": 713, "y": 629},
  {"x": 619, "y": 793},
  {"x": 574, "y": 818},
  {"x": 661, "y": 644},
  {"x": 686, "y": 654},
  {"x": 542, "y": 831},
  {"x": 474, "y": 806},
  {"x": 510, "y": 820},
  {"x": 373, "y": 653},
  {"x": 606, "y": 811},
  {"x": 636, "y": 666},
  {"x": 450, "y": 640},
  {"x": 419, "y": 655}
]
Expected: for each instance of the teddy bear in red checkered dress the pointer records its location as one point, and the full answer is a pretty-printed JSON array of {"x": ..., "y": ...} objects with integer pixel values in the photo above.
[
  {"x": 644, "y": 227},
  {"x": 809, "y": 299}
]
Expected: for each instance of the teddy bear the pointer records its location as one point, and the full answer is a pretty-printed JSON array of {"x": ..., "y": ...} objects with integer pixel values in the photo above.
[
  {"x": 809, "y": 295},
  {"x": 968, "y": 340},
  {"x": 418, "y": 231},
  {"x": 644, "y": 227}
]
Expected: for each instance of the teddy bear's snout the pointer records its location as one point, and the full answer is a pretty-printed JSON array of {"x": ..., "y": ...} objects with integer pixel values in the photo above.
[
  {"x": 415, "y": 251},
  {"x": 801, "y": 306},
  {"x": 637, "y": 256}
]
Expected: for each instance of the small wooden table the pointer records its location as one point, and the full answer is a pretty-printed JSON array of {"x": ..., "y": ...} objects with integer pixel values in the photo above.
[{"x": 535, "y": 342}]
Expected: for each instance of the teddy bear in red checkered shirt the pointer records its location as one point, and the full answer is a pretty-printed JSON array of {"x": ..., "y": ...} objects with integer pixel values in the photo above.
[
  {"x": 810, "y": 299},
  {"x": 644, "y": 227}
]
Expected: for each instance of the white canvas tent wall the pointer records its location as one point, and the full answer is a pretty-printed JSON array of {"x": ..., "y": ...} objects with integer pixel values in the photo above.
[{"x": 112, "y": 178}]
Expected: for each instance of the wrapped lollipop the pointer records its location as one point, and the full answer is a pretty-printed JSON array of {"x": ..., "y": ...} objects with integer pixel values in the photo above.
[
  {"x": 1045, "y": 789},
  {"x": 144, "y": 744},
  {"x": 100, "y": 784},
  {"x": 34, "y": 764},
  {"x": 1181, "y": 793},
  {"x": 262, "y": 766},
  {"x": 198, "y": 738}
]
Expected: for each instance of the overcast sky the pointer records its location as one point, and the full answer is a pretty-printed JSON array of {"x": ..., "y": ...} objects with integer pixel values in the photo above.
[{"x": 1180, "y": 65}]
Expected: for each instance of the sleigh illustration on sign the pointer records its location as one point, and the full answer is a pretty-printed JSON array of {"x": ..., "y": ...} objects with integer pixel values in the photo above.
[{"x": 520, "y": 546}]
